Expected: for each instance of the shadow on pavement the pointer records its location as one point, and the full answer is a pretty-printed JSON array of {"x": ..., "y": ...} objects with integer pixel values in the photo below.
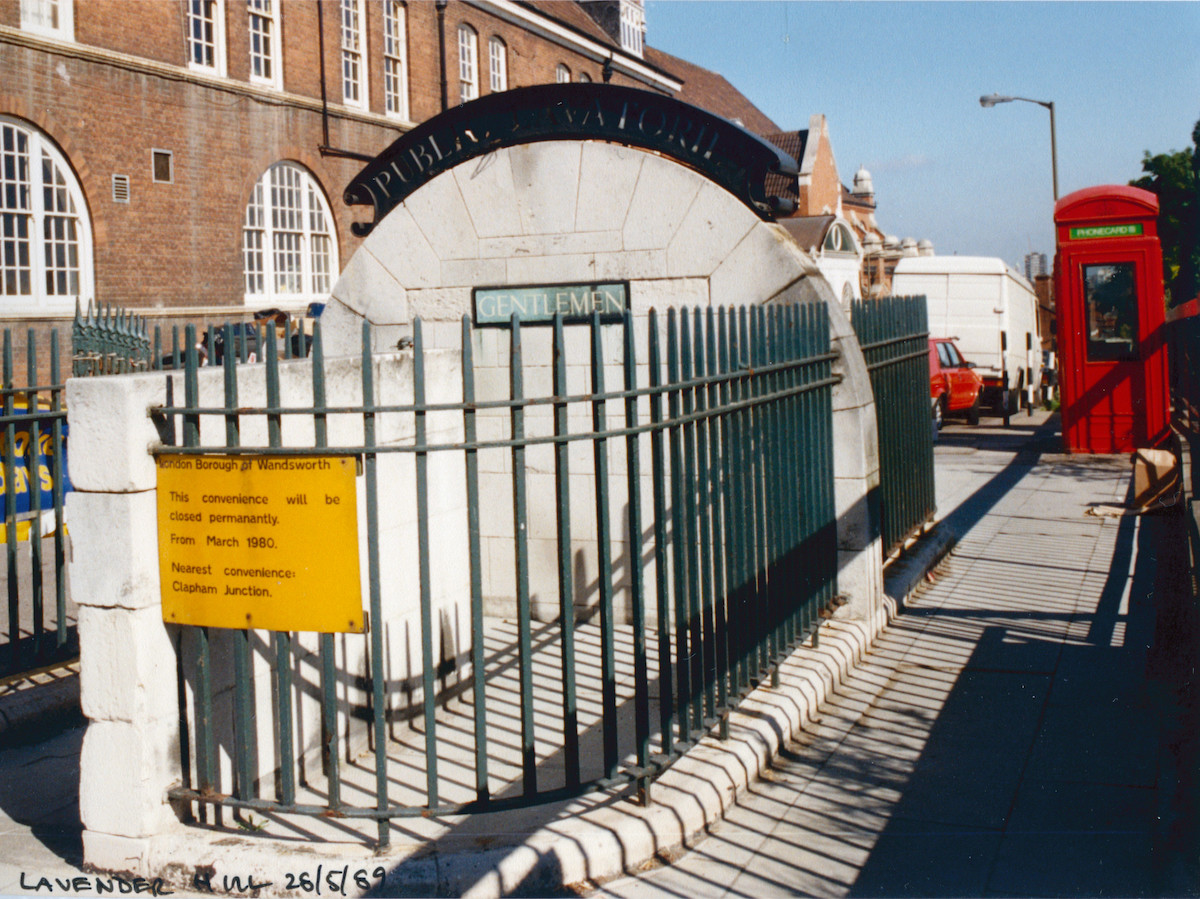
[
  {"x": 40, "y": 790},
  {"x": 1063, "y": 761}
]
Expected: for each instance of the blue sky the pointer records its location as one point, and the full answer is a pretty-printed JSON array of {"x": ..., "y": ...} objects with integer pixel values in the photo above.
[{"x": 900, "y": 84}]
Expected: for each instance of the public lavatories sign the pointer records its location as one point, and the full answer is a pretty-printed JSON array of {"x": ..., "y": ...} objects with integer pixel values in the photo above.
[{"x": 576, "y": 303}]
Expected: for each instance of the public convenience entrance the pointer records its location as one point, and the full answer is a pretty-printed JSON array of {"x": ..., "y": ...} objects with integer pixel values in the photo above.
[
  {"x": 1109, "y": 288},
  {"x": 581, "y": 521}
]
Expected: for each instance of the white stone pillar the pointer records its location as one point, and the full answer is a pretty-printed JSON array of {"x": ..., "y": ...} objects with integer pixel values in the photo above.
[{"x": 128, "y": 683}]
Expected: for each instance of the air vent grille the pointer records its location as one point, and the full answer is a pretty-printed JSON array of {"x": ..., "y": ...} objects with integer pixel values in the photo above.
[{"x": 120, "y": 188}]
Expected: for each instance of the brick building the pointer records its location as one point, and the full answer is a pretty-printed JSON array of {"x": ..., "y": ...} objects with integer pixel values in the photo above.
[{"x": 186, "y": 158}]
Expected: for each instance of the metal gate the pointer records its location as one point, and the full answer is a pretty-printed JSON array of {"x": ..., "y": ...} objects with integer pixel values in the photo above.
[{"x": 730, "y": 417}]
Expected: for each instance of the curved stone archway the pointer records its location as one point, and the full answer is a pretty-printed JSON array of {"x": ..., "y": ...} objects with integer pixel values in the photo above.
[{"x": 581, "y": 211}]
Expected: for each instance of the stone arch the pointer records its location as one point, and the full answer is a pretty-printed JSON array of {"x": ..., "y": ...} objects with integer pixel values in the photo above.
[{"x": 578, "y": 211}]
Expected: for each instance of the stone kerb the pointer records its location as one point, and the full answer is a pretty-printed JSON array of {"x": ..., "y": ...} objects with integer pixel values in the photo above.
[{"x": 128, "y": 674}]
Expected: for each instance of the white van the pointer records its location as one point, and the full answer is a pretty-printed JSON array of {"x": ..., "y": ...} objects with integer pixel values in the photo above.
[{"x": 991, "y": 312}]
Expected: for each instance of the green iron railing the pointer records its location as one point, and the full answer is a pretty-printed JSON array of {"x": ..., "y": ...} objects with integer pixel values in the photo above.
[
  {"x": 108, "y": 342},
  {"x": 894, "y": 335},
  {"x": 40, "y": 623},
  {"x": 735, "y": 425}
]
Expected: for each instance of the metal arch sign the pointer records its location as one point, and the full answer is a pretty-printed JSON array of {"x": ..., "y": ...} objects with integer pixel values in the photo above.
[{"x": 726, "y": 153}]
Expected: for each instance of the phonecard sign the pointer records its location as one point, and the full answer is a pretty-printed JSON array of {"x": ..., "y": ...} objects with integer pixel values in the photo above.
[{"x": 259, "y": 542}]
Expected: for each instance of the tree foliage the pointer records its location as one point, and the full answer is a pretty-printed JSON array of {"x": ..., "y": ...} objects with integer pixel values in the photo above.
[{"x": 1175, "y": 178}]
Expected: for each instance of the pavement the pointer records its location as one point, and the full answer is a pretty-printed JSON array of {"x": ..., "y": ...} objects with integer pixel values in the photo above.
[{"x": 1027, "y": 726}]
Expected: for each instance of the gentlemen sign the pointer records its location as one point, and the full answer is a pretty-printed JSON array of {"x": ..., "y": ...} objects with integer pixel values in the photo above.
[
  {"x": 731, "y": 156},
  {"x": 532, "y": 305}
]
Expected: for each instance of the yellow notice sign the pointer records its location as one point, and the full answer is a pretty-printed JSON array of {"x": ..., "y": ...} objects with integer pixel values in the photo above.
[{"x": 259, "y": 541}]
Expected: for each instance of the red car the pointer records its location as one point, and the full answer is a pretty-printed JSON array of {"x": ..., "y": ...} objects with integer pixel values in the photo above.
[{"x": 953, "y": 384}]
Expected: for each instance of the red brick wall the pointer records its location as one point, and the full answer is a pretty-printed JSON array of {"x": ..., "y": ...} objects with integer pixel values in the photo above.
[{"x": 179, "y": 244}]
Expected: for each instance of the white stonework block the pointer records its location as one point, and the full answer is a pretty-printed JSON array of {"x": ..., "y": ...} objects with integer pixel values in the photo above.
[
  {"x": 716, "y": 222},
  {"x": 496, "y": 507},
  {"x": 126, "y": 665},
  {"x": 854, "y": 442},
  {"x": 855, "y": 530},
  {"x": 114, "y": 549},
  {"x": 860, "y": 579},
  {"x": 546, "y": 178},
  {"x": 608, "y": 176},
  {"x": 443, "y": 337},
  {"x": 473, "y": 272},
  {"x": 367, "y": 286},
  {"x": 500, "y": 568},
  {"x": 486, "y": 343},
  {"x": 403, "y": 249},
  {"x": 124, "y": 773},
  {"x": 441, "y": 214},
  {"x": 341, "y": 329},
  {"x": 762, "y": 264},
  {"x": 111, "y": 431},
  {"x": 630, "y": 265},
  {"x": 105, "y": 852},
  {"x": 551, "y": 269},
  {"x": 664, "y": 191},
  {"x": 486, "y": 185},
  {"x": 663, "y": 295},
  {"x": 568, "y": 243},
  {"x": 440, "y": 304}
]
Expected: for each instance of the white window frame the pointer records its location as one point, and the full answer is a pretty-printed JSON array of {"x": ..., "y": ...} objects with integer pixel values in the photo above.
[
  {"x": 353, "y": 21},
  {"x": 395, "y": 59},
  {"x": 562, "y": 74},
  {"x": 288, "y": 215},
  {"x": 39, "y": 149},
  {"x": 633, "y": 26},
  {"x": 214, "y": 19},
  {"x": 36, "y": 15},
  {"x": 497, "y": 64},
  {"x": 468, "y": 63},
  {"x": 265, "y": 12}
]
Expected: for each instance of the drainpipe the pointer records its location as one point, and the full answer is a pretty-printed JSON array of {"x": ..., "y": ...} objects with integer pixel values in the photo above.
[
  {"x": 441, "y": 15},
  {"x": 324, "y": 149}
]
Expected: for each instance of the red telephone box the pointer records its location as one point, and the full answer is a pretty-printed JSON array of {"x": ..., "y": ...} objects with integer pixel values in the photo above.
[{"x": 1109, "y": 291}]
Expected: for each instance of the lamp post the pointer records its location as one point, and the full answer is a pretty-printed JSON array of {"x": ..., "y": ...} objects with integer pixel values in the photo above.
[
  {"x": 992, "y": 99},
  {"x": 987, "y": 102}
]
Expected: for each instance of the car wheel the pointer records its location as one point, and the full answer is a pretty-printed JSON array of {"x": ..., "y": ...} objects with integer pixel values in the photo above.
[
  {"x": 939, "y": 412},
  {"x": 973, "y": 412}
]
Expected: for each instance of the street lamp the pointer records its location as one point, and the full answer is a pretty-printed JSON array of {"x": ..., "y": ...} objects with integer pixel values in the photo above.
[{"x": 992, "y": 99}]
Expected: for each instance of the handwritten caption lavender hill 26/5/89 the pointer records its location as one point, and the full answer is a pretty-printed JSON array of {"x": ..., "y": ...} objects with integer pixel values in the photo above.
[{"x": 341, "y": 880}]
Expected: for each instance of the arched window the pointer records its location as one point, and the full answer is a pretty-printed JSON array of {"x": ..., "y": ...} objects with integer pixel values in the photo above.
[
  {"x": 498, "y": 64},
  {"x": 45, "y": 234},
  {"x": 288, "y": 245},
  {"x": 562, "y": 74}
]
